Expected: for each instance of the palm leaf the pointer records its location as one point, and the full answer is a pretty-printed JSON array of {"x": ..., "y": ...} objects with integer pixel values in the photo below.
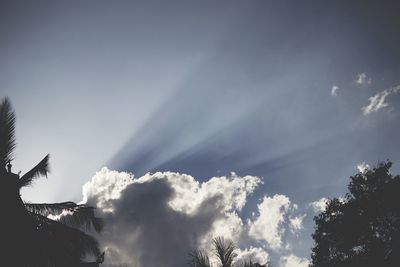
[
  {"x": 46, "y": 209},
  {"x": 225, "y": 251},
  {"x": 7, "y": 132},
  {"x": 83, "y": 217},
  {"x": 77, "y": 216},
  {"x": 199, "y": 259},
  {"x": 41, "y": 169},
  {"x": 60, "y": 242}
]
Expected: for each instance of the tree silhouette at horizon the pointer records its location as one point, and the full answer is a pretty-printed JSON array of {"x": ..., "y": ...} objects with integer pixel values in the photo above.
[
  {"x": 224, "y": 251},
  {"x": 29, "y": 235},
  {"x": 363, "y": 229}
]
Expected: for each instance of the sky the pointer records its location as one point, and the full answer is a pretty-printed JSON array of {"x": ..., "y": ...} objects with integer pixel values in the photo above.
[{"x": 241, "y": 115}]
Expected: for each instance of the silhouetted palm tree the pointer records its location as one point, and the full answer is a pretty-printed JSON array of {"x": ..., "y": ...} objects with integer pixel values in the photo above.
[
  {"x": 199, "y": 259},
  {"x": 29, "y": 236},
  {"x": 224, "y": 250}
]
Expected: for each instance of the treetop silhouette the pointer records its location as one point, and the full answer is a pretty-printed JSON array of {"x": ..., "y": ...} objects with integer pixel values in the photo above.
[
  {"x": 363, "y": 229},
  {"x": 224, "y": 250},
  {"x": 29, "y": 236}
]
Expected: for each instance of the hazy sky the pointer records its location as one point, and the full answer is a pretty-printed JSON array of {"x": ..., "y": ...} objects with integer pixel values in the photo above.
[{"x": 298, "y": 93}]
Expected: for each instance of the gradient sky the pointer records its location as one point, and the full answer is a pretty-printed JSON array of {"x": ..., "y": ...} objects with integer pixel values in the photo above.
[{"x": 266, "y": 88}]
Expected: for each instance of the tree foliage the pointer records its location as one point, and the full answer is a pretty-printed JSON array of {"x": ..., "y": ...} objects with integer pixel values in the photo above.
[
  {"x": 29, "y": 234},
  {"x": 363, "y": 229},
  {"x": 224, "y": 251}
]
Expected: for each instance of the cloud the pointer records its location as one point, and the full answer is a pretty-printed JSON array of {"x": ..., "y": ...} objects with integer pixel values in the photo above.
[
  {"x": 334, "y": 90},
  {"x": 106, "y": 187},
  {"x": 319, "y": 205},
  {"x": 155, "y": 220},
  {"x": 253, "y": 254},
  {"x": 268, "y": 225},
  {"x": 296, "y": 223},
  {"x": 362, "y": 79},
  {"x": 293, "y": 261},
  {"x": 362, "y": 167},
  {"x": 143, "y": 230},
  {"x": 377, "y": 101}
]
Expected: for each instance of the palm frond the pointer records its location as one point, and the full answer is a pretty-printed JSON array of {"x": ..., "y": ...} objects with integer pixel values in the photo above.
[
  {"x": 46, "y": 209},
  {"x": 60, "y": 242},
  {"x": 199, "y": 259},
  {"x": 72, "y": 214},
  {"x": 83, "y": 217},
  {"x": 7, "y": 132},
  {"x": 41, "y": 169},
  {"x": 225, "y": 251}
]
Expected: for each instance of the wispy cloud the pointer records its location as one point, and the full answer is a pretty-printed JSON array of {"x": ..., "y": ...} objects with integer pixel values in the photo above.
[
  {"x": 334, "y": 90},
  {"x": 362, "y": 79},
  {"x": 296, "y": 223},
  {"x": 378, "y": 101}
]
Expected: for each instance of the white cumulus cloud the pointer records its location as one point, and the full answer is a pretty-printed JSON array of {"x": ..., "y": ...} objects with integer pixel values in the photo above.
[
  {"x": 268, "y": 225},
  {"x": 156, "y": 219},
  {"x": 293, "y": 261},
  {"x": 253, "y": 254},
  {"x": 167, "y": 214},
  {"x": 106, "y": 187},
  {"x": 319, "y": 205}
]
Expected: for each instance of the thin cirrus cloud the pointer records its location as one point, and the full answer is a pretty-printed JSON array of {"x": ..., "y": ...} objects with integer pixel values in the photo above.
[{"x": 167, "y": 214}]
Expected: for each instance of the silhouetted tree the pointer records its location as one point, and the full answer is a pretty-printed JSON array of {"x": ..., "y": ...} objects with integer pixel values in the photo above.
[
  {"x": 224, "y": 250},
  {"x": 364, "y": 228},
  {"x": 199, "y": 259},
  {"x": 29, "y": 237}
]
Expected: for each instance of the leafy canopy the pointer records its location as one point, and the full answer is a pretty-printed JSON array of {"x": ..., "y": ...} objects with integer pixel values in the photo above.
[{"x": 363, "y": 229}]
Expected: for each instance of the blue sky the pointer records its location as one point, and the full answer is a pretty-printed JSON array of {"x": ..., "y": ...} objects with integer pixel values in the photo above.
[{"x": 268, "y": 89}]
